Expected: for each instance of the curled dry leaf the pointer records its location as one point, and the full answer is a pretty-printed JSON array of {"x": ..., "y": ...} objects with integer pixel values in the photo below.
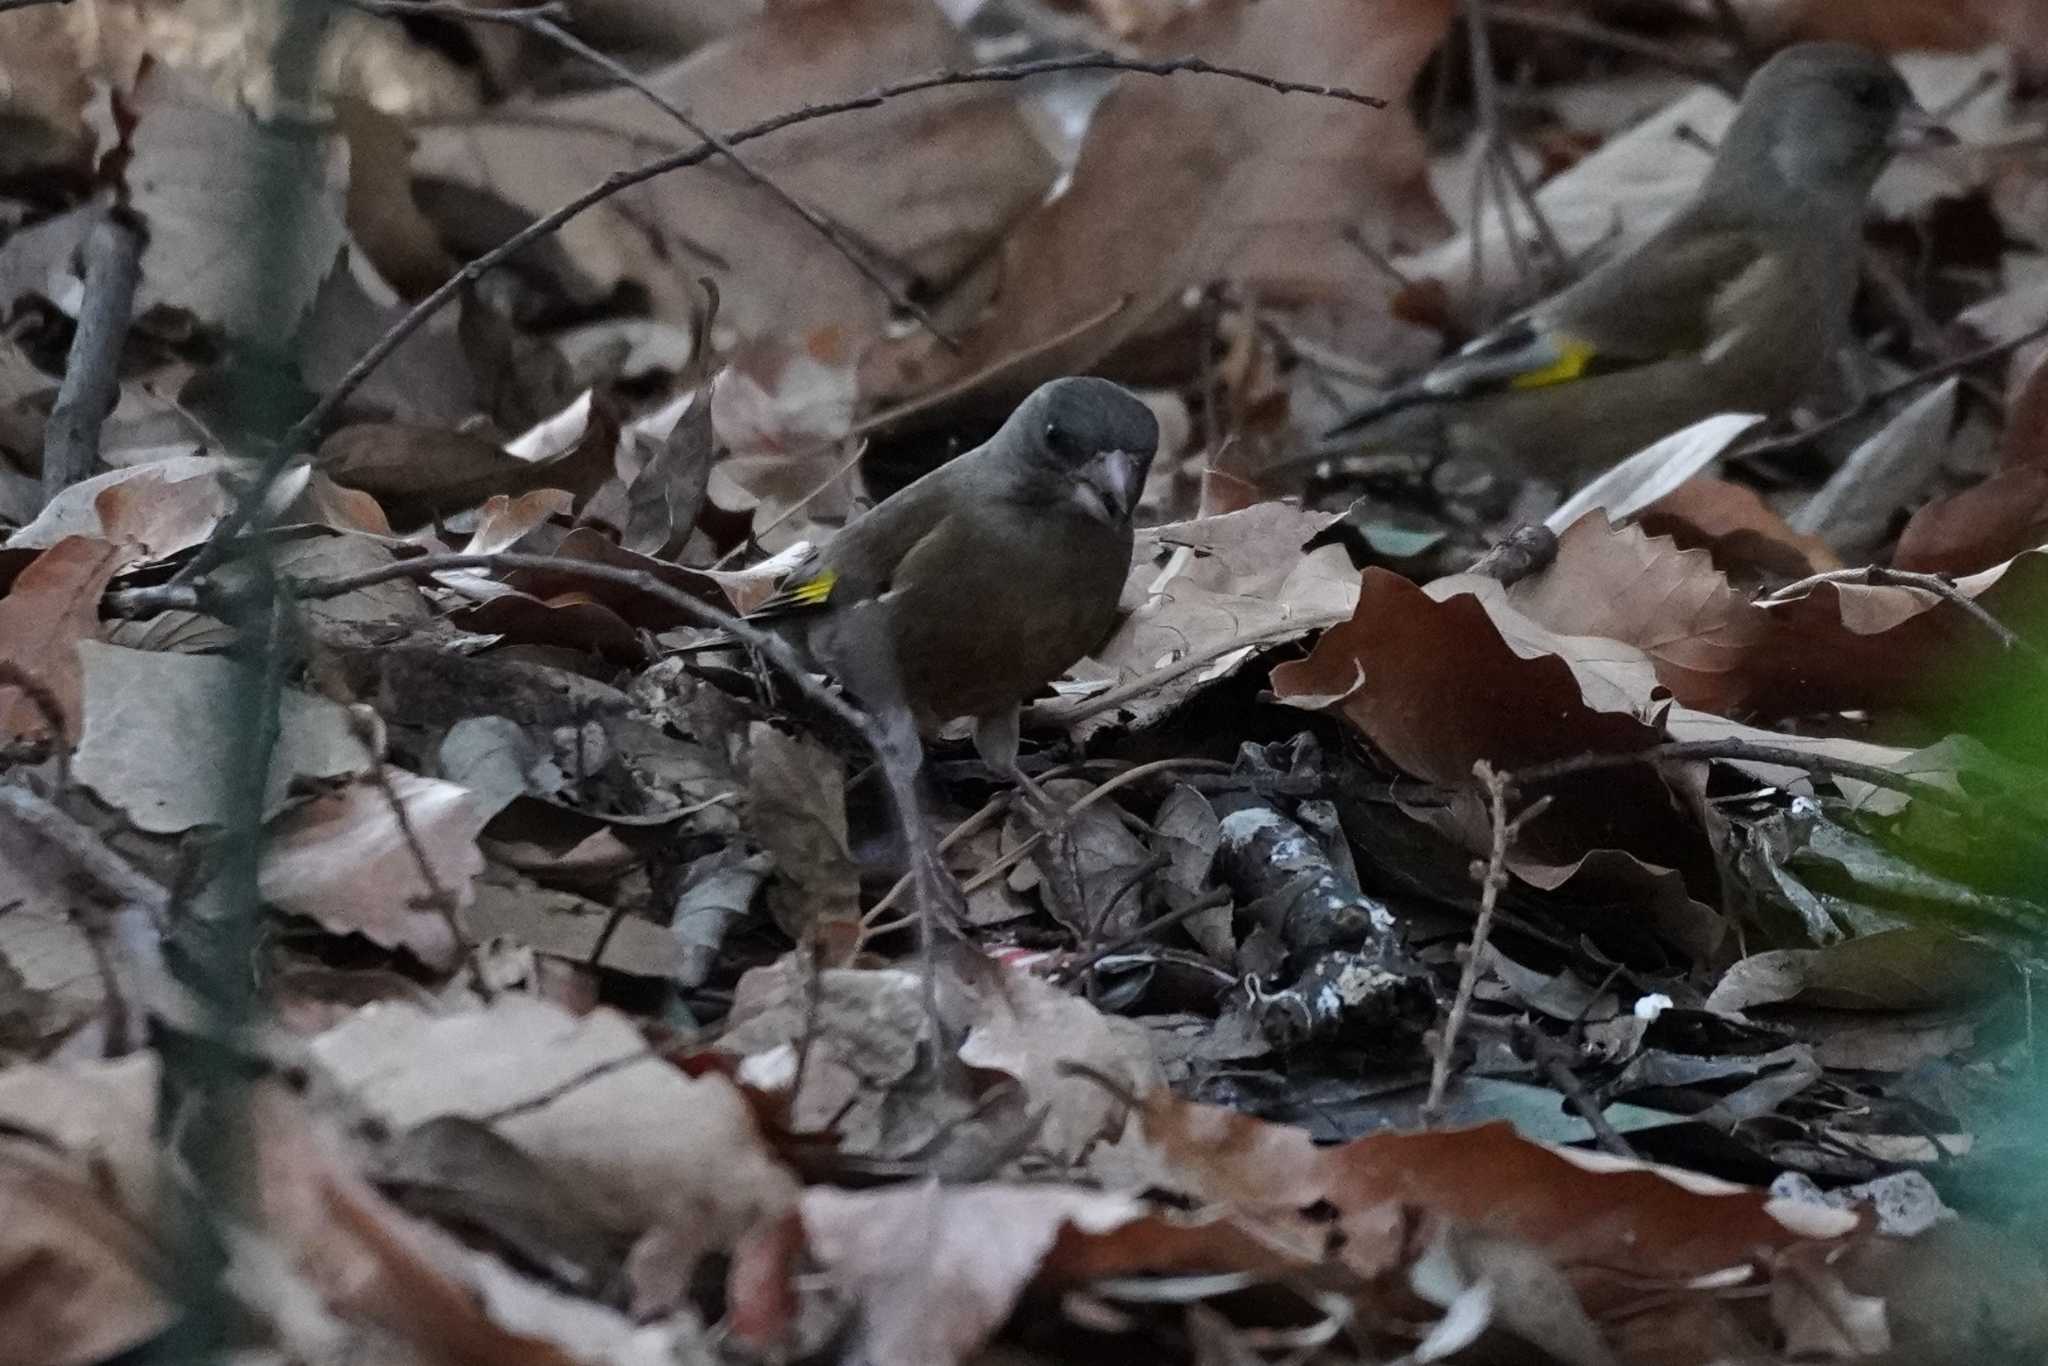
[
  {"x": 1442, "y": 678},
  {"x": 797, "y": 795},
  {"x": 1672, "y": 604},
  {"x": 1590, "y": 1212},
  {"x": 2004, "y": 515},
  {"x": 365, "y": 1259},
  {"x": 935, "y": 1270},
  {"x": 347, "y": 859},
  {"x": 1903, "y": 969},
  {"x": 82, "y": 1276},
  {"x": 420, "y": 473},
  {"x": 1845, "y": 646},
  {"x": 1745, "y": 537},
  {"x": 54, "y": 604}
]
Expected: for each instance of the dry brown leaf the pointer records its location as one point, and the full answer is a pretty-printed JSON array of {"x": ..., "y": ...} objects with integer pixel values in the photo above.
[
  {"x": 1893, "y": 970},
  {"x": 44, "y": 86},
  {"x": 1435, "y": 684},
  {"x": 212, "y": 181},
  {"x": 937, "y": 1269},
  {"x": 162, "y": 507},
  {"x": 1746, "y": 538},
  {"x": 1440, "y": 679},
  {"x": 382, "y": 217},
  {"x": 1672, "y": 604},
  {"x": 574, "y": 620},
  {"x": 796, "y": 792},
  {"x": 1590, "y": 1212},
  {"x": 346, "y": 860},
  {"x": 1188, "y": 180},
  {"x": 1981, "y": 526},
  {"x": 54, "y": 604},
  {"x": 101, "y": 1113},
  {"x": 82, "y": 1277},
  {"x": 1847, "y": 646},
  {"x": 158, "y": 736},
  {"x": 420, "y": 473},
  {"x": 368, "y": 1261},
  {"x": 1029, "y": 1028},
  {"x": 961, "y": 165},
  {"x": 582, "y": 1096},
  {"x": 863, "y": 1033},
  {"x": 2007, "y": 513}
]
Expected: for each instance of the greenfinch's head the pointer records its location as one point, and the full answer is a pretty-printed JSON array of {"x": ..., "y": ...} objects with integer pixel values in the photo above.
[
  {"x": 1096, "y": 437},
  {"x": 1818, "y": 123}
]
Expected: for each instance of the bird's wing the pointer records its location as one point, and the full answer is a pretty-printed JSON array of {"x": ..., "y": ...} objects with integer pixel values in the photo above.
[
  {"x": 858, "y": 563},
  {"x": 1675, "y": 296}
]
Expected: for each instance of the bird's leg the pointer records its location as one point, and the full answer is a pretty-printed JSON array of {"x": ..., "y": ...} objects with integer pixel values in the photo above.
[{"x": 996, "y": 737}]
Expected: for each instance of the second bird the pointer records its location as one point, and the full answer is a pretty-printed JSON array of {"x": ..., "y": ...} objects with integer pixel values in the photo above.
[{"x": 1740, "y": 302}]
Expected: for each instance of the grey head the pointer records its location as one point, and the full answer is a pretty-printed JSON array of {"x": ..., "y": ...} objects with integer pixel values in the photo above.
[
  {"x": 1095, "y": 438},
  {"x": 1816, "y": 127}
]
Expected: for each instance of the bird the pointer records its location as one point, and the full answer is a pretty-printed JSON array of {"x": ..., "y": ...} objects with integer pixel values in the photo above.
[
  {"x": 971, "y": 588},
  {"x": 1741, "y": 301}
]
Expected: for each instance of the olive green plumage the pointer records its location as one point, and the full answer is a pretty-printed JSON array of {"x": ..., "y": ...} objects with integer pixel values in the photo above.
[
  {"x": 972, "y": 588},
  {"x": 1740, "y": 302}
]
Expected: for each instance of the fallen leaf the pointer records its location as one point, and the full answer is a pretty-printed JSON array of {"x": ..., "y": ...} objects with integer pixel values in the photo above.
[
  {"x": 962, "y": 165},
  {"x": 158, "y": 737},
  {"x": 82, "y": 1277},
  {"x": 1186, "y": 181},
  {"x": 1672, "y": 604},
  {"x": 205, "y": 175},
  {"x": 582, "y": 1097},
  {"x": 54, "y": 604},
  {"x": 353, "y": 860},
  {"x": 1745, "y": 537}
]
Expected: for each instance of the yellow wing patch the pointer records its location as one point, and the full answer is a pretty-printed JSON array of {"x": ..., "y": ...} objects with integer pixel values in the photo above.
[
  {"x": 813, "y": 592},
  {"x": 1573, "y": 357}
]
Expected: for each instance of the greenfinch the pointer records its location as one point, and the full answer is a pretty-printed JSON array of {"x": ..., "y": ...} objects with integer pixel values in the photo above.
[
  {"x": 967, "y": 591},
  {"x": 1740, "y": 302}
]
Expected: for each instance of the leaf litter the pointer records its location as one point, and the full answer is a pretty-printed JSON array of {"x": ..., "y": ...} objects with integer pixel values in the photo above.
[{"x": 599, "y": 1020}]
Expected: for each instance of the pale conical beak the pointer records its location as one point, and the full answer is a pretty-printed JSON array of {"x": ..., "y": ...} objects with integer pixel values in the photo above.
[
  {"x": 1119, "y": 477},
  {"x": 1918, "y": 130}
]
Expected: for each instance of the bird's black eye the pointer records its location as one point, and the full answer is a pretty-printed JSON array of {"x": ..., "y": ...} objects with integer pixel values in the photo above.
[
  {"x": 1872, "y": 93},
  {"x": 1057, "y": 439}
]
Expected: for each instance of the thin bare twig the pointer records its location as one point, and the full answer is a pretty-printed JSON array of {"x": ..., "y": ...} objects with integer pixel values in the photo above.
[
  {"x": 1749, "y": 751},
  {"x": 1940, "y": 585},
  {"x": 1492, "y": 879},
  {"x": 438, "y": 897},
  {"x": 1550, "y": 1057},
  {"x": 1877, "y": 398},
  {"x": 1497, "y": 152},
  {"x": 1208, "y": 901},
  {"x": 871, "y": 921},
  {"x": 618, "y": 181},
  {"x": 92, "y": 369},
  {"x": 6, "y": 5},
  {"x": 540, "y": 22}
]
